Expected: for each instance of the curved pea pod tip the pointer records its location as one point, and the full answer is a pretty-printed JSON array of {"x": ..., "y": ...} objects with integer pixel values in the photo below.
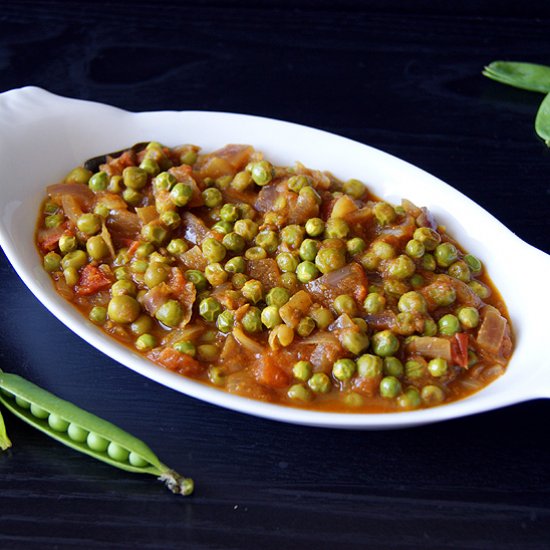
[
  {"x": 527, "y": 76},
  {"x": 84, "y": 431},
  {"x": 542, "y": 120},
  {"x": 5, "y": 442}
]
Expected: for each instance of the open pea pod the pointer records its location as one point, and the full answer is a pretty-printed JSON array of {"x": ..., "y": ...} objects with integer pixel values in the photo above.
[
  {"x": 84, "y": 431},
  {"x": 5, "y": 442},
  {"x": 527, "y": 76},
  {"x": 542, "y": 121}
]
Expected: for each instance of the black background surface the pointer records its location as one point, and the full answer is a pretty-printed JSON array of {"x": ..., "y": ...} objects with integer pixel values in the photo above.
[{"x": 400, "y": 76}]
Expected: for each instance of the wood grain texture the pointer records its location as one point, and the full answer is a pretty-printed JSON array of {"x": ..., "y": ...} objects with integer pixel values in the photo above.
[{"x": 404, "y": 77}]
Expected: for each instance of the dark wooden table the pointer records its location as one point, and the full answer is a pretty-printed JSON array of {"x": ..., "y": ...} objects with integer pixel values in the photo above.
[{"x": 403, "y": 77}]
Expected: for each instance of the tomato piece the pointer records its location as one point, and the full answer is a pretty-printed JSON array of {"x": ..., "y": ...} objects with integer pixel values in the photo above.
[
  {"x": 176, "y": 361},
  {"x": 270, "y": 374},
  {"x": 459, "y": 349},
  {"x": 92, "y": 280}
]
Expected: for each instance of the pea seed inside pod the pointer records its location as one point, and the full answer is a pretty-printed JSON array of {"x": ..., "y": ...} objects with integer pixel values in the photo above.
[
  {"x": 23, "y": 403},
  {"x": 116, "y": 452},
  {"x": 7, "y": 393},
  {"x": 136, "y": 460},
  {"x": 96, "y": 442},
  {"x": 57, "y": 423},
  {"x": 76, "y": 433},
  {"x": 39, "y": 412}
]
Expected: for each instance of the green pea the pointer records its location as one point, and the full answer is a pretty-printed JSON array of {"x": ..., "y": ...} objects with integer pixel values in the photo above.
[
  {"x": 430, "y": 328},
  {"x": 170, "y": 313},
  {"x": 460, "y": 270},
  {"x": 134, "y": 177},
  {"x": 293, "y": 235},
  {"x": 37, "y": 411},
  {"x": 67, "y": 243},
  {"x": 57, "y": 423},
  {"x": 226, "y": 321},
  {"x": 76, "y": 433},
  {"x": 186, "y": 347},
  {"x": 315, "y": 227},
  {"x": 306, "y": 272},
  {"x": 89, "y": 223},
  {"x": 384, "y": 213},
  {"x": 145, "y": 342},
  {"x": 374, "y": 303},
  {"x": 213, "y": 250},
  {"x": 356, "y": 246},
  {"x": 428, "y": 237},
  {"x": 305, "y": 327},
  {"x": 415, "y": 249},
  {"x": 181, "y": 194},
  {"x": 189, "y": 157},
  {"x": 468, "y": 317},
  {"x": 164, "y": 181},
  {"x": 78, "y": 175},
  {"x": 197, "y": 278},
  {"x": 480, "y": 289},
  {"x": 369, "y": 366},
  {"x": 235, "y": 265},
  {"x": 298, "y": 392},
  {"x": 448, "y": 325},
  {"x": 354, "y": 188},
  {"x": 473, "y": 263},
  {"x": 97, "y": 248},
  {"x": 247, "y": 229},
  {"x": 124, "y": 287},
  {"x": 229, "y": 212},
  {"x": 383, "y": 250},
  {"x": 252, "y": 290},
  {"x": 385, "y": 343},
  {"x": 290, "y": 281},
  {"x": 255, "y": 253},
  {"x": 401, "y": 267},
  {"x": 308, "y": 249},
  {"x": 118, "y": 453},
  {"x": 445, "y": 254},
  {"x": 277, "y": 297},
  {"x": 319, "y": 383},
  {"x": 209, "y": 309},
  {"x": 170, "y": 219},
  {"x": 75, "y": 259},
  {"x": 217, "y": 376},
  {"x": 216, "y": 274},
  {"x": 412, "y": 302},
  {"x": 154, "y": 233},
  {"x": 98, "y": 182},
  {"x": 177, "y": 247},
  {"x": 252, "y": 320},
  {"x": 71, "y": 276},
  {"x": 261, "y": 172},
  {"x": 302, "y": 370},
  {"x": 442, "y": 295},
  {"x": 353, "y": 400},
  {"x": 354, "y": 342},
  {"x": 310, "y": 195},
  {"x": 270, "y": 316},
  {"x": 432, "y": 395},
  {"x": 322, "y": 316},
  {"x": 123, "y": 309},
  {"x": 390, "y": 387},
  {"x": 115, "y": 184},
  {"x": 287, "y": 262},
  {"x": 98, "y": 315},
  {"x": 330, "y": 259},
  {"x": 52, "y": 261},
  {"x": 410, "y": 399},
  {"x": 343, "y": 369},
  {"x": 142, "y": 325},
  {"x": 336, "y": 228},
  {"x": 238, "y": 280},
  {"x": 393, "y": 366},
  {"x": 414, "y": 369},
  {"x": 437, "y": 367},
  {"x": 54, "y": 220},
  {"x": 23, "y": 403},
  {"x": 241, "y": 181},
  {"x": 150, "y": 166},
  {"x": 131, "y": 196},
  {"x": 345, "y": 304},
  {"x": 135, "y": 460}
]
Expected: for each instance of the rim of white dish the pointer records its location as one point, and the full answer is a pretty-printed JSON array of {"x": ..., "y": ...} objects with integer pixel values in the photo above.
[{"x": 46, "y": 123}]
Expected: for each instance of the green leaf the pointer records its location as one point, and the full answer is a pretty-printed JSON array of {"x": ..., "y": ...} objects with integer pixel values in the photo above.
[
  {"x": 5, "y": 443},
  {"x": 542, "y": 121},
  {"x": 527, "y": 76}
]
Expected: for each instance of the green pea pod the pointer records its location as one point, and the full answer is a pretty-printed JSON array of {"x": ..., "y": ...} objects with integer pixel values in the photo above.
[
  {"x": 542, "y": 121},
  {"x": 84, "y": 431},
  {"x": 5, "y": 442},
  {"x": 527, "y": 76}
]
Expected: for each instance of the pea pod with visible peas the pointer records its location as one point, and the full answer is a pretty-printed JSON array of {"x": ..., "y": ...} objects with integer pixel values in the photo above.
[
  {"x": 83, "y": 431},
  {"x": 542, "y": 121}
]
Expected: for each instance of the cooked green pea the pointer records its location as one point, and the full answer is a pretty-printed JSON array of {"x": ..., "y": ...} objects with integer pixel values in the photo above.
[
  {"x": 67, "y": 243},
  {"x": 241, "y": 181},
  {"x": 124, "y": 287},
  {"x": 181, "y": 194},
  {"x": 189, "y": 157},
  {"x": 473, "y": 263},
  {"x": 306, "y": 272},
  {"x": 164, "y": 181},
  {"x": 383, "y": 250},
  {"x": 52, "y": 261},
  {"x": 186, "y": 347},
  {"x": 336, "y": 228},
  {"x": 145, "y": 342},
  {"x": 293, "y": 235},
  {"x": 468, "y": 317},
  {"x": 248, "y": 229},
  {"x": 448, "y": 325},
  {"x": 385, "y": 343},
  {"x": 305, "y": 327},
  {"x": 216, "y": 274},
  {"x": 480, "y": 289},
  {"x": 150, "y": 166},
  {"x": 460, "y": 270},
  {"x": 115, "y": 184},
  {"x": 255, "y": 253},
  {"x": 384, "y": 213},
  {"x": 252, "y": 320},
  {"x": 390, "y": 387},
  {"x": 310, "y": 195},
  {"x": 252, "y": 290},
  {"x": 298, "y": 392},
  {"x": 302, "y": 370},
  {"x": 170, "y": 219},
  {"x": 415, "y": 249},
  {"x": 354, "y": 188},
  {"x": 235, "y": 265},
  {"x": 343, "y": 369},
  {"x": 315, "y": 227},
  {"x": 287, "y": 262},
  {"x": 217, "y": 376},
  {"x": 170, "y": 313},
  {"x": 134, "y": 177},
  {"x": 445, "y": 254},
  {"x": 322, "y": 316},
  {"x": 410, "y": 399},
  {"x": 123, "y": 309},
  {"x": 154, "y": 233},
  {"x": 345, "y": 304},
  {"x": 76, "y": 433},
  {"x": 234, "y": 242},
  {"x": 428, "y": 237},
  {"x": 295, "y": 183},
  {"x": 414, "y": 369},
  {"x": 89, "y": 223},
  {"x": 430, "y": 327},
  {"x": 432, "y": 395},
  {"x": 393, "y": 366},
  {"x": 238, "y": 280},
  {"x": 97, "y": 248},
  {"x": 401, "y": 267},
  {"x": 213, "y": 250},
  {"x": 374, "y": 303},
  {"x": 412, "y": 302},
  {"x": 229, "y": 212},
  {"x": 54, "y": 220},
  {"x": 177, "y": 247},
  {"x": 308, "y": 249},
  {"x": 71, "y": 276},
  {"x": 131, "y": 196},
  {"x": 319, "y": 383},
  {"x": 270, "y": 316},
  {"x": 98, "y": 315},
  {"x": 437, "y": 367},
  {"x": 75, "y": 259},
  {"x": 98, "y": 182},
  {"x": 356, "y": 246},
  {"x": 197, "y": 278},
  {"x": 225, "y": 321},
  {"x": 141, "y": 325},
  {"x": 369, "y": 366},
  {"x": 209, "y": 309},
  {"x": 442, "y": 295},
  {"x": 330, "y": 259},
  {"x": 277, "y": 296},
  {"x": 261, "y": 172},
  {"x": 78, "y": 175},
  {"x": 57, "y": 423}
]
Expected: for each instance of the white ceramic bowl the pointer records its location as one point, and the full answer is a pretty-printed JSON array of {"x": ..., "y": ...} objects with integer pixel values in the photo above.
[{"x": 43, "y": 136}]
